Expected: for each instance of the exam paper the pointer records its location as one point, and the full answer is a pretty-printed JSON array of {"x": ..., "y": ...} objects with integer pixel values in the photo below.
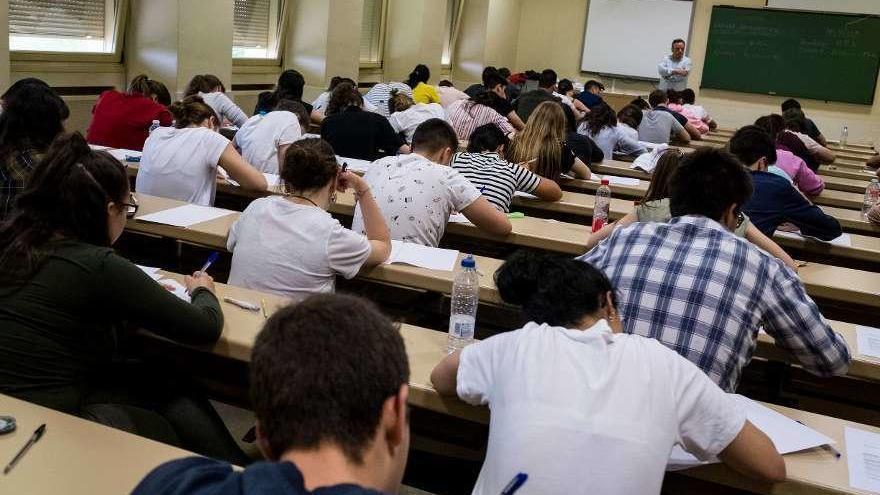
[
  {"x": 845, "y": 240},
  {"x": 520, "y": 194},
  {"x": 185, "y": 216},
  {"x": 868, "y": 341},
  {"x": 98, "y": 147},
  {"x": 863, "y": 458},
  {"x": 458, "y": 218},
  {"x": 615, "y": 180},
  {"x": 151, "y": 271},
  {"x": 422, "y": 256},
  {"x": 786, "y": 434},
  {"x": 175, "y": 288},
  {"x": 354, "y": 164}
]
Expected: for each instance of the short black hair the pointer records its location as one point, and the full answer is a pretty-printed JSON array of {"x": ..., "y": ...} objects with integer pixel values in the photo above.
[
  {"x": 309, "y": 164},
  {"x": 790, "y": 103},
  {"x": 592, "y": 83},
  {"x": 795, "y": 119},
  {"x": 707, "y": 183},
  {"x": 547, "y": 78},
  {"x": 657, "y": 97},
  {"x": 488, "y": 71},
  {"x": 552, "y": 288},
  {"x": 493, "y": 80},
  {"x": 321, "y": 371},
  {"x": 487, "y": 137},
  {"x": 678, "y": 40},
  {"x": 640, "y": 103},
  {"x": 751, "y": 143},
  {"x": 445, "y": 83},
  {"x": 564, "y": 86},
  {"x": 433, "y": 135},
  {"x": 688, "y": 96},
  {"x": 504, "y": 72}
]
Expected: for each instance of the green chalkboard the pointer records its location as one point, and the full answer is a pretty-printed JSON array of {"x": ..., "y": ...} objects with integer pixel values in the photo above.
[{"x": 833, "y": 57}]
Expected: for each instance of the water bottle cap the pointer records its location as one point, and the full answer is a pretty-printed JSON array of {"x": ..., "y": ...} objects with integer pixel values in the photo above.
[
  {"x": 605, "y": 182},
  {"x": 468, "y": 262}
]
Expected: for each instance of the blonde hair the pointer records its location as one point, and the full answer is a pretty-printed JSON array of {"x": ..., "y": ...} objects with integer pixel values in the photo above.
[
  {"x": 541, "y": 140},
  {"x": 399, "y": 101}
]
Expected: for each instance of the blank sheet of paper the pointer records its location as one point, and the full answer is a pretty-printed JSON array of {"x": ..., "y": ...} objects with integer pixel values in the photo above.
[
  {"x": 520, "y": 194},
  {"x": 354, "y": 164},
  {"x": 615, "y": 180},
  {"x": 151, "y": 271},
  {"x": 845, "y": 240},
  {"x": 458, "y": 218},
  {"x": 423, "y": 256},
  {"x": 868, "y": 341},
  {"x": 863, "y": 458},
  {"x": 186, "y": 215}
]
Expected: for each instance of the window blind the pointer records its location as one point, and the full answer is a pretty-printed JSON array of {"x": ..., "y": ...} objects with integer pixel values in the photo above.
[
  {"x": 58, "y": 18},
  {"x": 251, "y": 23},
  {"x": 371, "y": 31}
]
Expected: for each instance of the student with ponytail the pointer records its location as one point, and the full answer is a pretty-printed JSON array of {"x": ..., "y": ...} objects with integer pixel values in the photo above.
[
  {"x": 290, "y": 244},
  {"x": 181, "y": 162},
  {"x": 577, "y": 403},
  {"x": 212, "y": 90},
  {"x": 422, "y": 92},
  {"x": 123, "y": 120},
  {"x": 66, "y": 299}
]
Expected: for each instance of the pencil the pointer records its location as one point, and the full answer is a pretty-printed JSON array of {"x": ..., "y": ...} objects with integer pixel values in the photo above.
[{"x": 263, "y": 305}]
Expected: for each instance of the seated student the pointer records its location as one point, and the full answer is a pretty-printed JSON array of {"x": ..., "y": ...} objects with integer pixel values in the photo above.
[
  {"x": 497, "y": 179},
  {"x": 565, "y": 92},
  {"x": 32, "y": 117},
  {"x": 496, "y": 86},
  {"x": 380, "y": 93},
  {"x": 592, "y": 93},
  {"x": 795, "y": 170},
  {"x": 676, "y": 104},
  {"x": 319, "y": 106},
  {"x": 66, "y": 296},
  {"x": 659, "y": 100},
  {"x": 786, "y": 140},
  {"x": 688, "y": 98},
  {"x": 418, "y": 192},
  {"x": 355, "y": 133},
  {"x": 422, "y": 92},
  {"x": 512, "y": 90},
  {"x": 181, "y": 162},
  {"x": 581, "y": 146},
  {"x": 405, "y": 116},
  {"x": 654, "y": 207},
  {"x": 810, "y": 128},
  {"x": 476, "y": 88},
  {"x": 466, "y": 115},
  {"x": 123, "y": 120},
  {"x": 529, "y": 100},
  {"x": 335, "y": 423},
  {"x": 640, "y": 103},
  {"x": 265, "y": 137},
  {"x": 797, "y": 124},
  {"x": 601, "y": 126},
  {"x": 628, "y": 120},
  {"x": 659, "y": 125},
  {"x": 289, "y": 87},
  {"x": 449, "y": 94},
  {"x": 543, "y": 148},
  {"x": 212, "y": 91},
  {"x": 696, "y": 303},
  {"x": 774, "y": 200},
  {"x": 578, "y": 403},
  {"x": 290, "y": 245}
]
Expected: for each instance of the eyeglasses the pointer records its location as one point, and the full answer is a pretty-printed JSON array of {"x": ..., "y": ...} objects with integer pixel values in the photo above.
[{"x": 131, "y": 207}]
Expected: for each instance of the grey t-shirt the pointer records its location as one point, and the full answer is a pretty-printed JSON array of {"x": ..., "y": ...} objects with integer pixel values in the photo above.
[{"x": 657, "y": 126}]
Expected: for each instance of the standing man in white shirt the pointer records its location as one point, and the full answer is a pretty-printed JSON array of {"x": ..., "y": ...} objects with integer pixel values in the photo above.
[{"x": 674, "y": 68}]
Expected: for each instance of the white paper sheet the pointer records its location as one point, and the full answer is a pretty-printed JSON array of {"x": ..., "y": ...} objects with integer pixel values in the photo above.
[
  {"x": 422, "y": 256},
  {"x": 175, "y": 288},
  {"x": 787, "y": 434},
  {"x": 520, "y": 194},
  {"x": 354, "y": 164},
  {"x": 98, "y": 147},
  {"x": 185, "y": 216},
  {"x": 458, "y": 218},
  {"x": 845, "y": 240},
  {"x": 151, "y": 271},
  {"x": 125, "y": 155},
  {"x": 863, "y": 458},
  {"x": 868, "y": 341},
  {"x": 615, "y": 180}
]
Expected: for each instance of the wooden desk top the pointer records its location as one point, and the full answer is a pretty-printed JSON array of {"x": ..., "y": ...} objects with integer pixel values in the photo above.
[{"x": 75, "y": 456}]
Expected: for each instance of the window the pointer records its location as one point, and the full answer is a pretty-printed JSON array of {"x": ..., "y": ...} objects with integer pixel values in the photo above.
[
  {"x": 372, "y": 32},
  {"x": 63, "y": 25},
  {"x": 256, "y": 28},
  {"x": 453, "y": 20}
]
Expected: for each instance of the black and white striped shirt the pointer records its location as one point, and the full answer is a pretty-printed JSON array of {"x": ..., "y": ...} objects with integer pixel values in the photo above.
[{"x": 495, "y": 178}]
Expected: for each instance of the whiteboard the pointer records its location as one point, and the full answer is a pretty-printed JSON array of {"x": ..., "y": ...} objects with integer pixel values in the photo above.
[
  {"x": 845, "y": 6},
  {"x": 629, "y": 37}
]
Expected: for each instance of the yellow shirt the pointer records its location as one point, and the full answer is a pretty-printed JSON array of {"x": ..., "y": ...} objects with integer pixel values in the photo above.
[{"x": 423, "y": 93}]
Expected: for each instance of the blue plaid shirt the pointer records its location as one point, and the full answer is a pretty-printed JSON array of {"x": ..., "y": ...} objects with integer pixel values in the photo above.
[
  {"x": 704, "y": 292},
  {"x": 14, "y": 172}
]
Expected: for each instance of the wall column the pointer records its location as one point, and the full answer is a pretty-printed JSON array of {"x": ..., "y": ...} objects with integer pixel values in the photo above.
[
  {"x": 4, "y": 46},
  {"x": 414, "y": 36}
]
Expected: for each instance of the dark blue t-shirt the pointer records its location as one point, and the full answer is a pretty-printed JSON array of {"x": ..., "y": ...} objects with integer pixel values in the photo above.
[
  {"x": 775, "y": 201},
  {"x": 203, "y": 476},
  {"x": 589, "y": 99}
]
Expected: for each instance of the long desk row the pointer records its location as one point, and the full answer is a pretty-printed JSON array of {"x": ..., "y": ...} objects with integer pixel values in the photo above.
[
  {"x": 853, "y": 152},
  {"x": 842, "y": 158}
]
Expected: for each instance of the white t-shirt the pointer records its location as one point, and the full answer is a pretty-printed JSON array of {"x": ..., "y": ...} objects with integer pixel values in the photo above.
[
  {"x": 225, "y": 108},
  {"x": 812, "y": 145},
  {"x": 292, "y": 250},
  {"x": 259, "y": 138},
  {"x": 181, "y": 164},
  {"x": 321, "y": 102},
  {"x": 408, "y": 120},
  {"x": 576, "y": 409},
  {"x": 416, "y": 197}
]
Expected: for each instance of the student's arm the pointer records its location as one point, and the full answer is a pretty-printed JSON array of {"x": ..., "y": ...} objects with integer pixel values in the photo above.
[
  {"x": 444, "y": 376},
  {"x": 374, "y": 222},
  {"x": 486, "y": 217},
  {"x": 317, "y": 116},
  {"x": 579, "y": 170},
  {"x": 693, "y": 132},
  {"x": 758, "y": 238},
  {"x": 824, "y": 155},
  {"x": 232, "y": 112},
  {"x": 389, "y": 140},
  {"x": 808, "y": 217},
  {"x": 515, "y": 121},
  {"x": 532, "y": 183},
  {"x": 548, "y": 190},
  {"x": 807, "y": 180},
  {"x": 680, "y": 133},
  {"x": 629, "y": 146},
  {"x": 604, "y": 232},
  {"x": 753, "y": 454},
  {"x": 241, "y": 171},
  {"x": 821, "y": 140}
]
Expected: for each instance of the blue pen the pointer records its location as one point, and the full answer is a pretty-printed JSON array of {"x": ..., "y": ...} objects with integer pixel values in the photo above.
[
  {"x": 482, "y": 189},
  {"x": 211, "y": 259},
  {"x": 515, "y": 484}
]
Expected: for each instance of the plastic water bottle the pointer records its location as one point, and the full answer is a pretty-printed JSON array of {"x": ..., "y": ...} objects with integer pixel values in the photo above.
[
  {"x": 155, "y": 125},
  {"x": 603, "y": 204},
  {"x": 872, "y": 197},
  {"x": 844, "y": 134},
  {"x": 463, "y": 313}
]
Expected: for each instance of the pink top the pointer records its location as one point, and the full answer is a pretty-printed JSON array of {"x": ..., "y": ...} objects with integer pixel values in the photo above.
[
  {"x": 464, "y": 116},
  {"x": 693, "y": 119},
  {"x": 804, "y": 179}
]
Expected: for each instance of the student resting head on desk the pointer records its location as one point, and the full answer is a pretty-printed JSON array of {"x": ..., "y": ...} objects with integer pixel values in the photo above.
[
  {"x": 356, "y": 133},
  {"x": 265, "y": 137},
  {"x": 544, "y": 147},
  {"x": 466, "y": 115},
  {"x": 611, "y": 137},
  {"x": 329, "y": 385},
  {"x": 405, "y": 115},
  {"x": 786, "y": 140},
  {"x": 290, "y": 245},
  {"x": 418, "y": 192},
  {"x": 422, "y": 92},
  {"x": 709, "y": 289},
  {"x": 181, "y": 162},
  {"x": 575, "y": 402},
  {"x": 290, "y": 86},
  {"x": 123, "y": 120},
  {"x": 66, "y": 296},
  {"x": 796, "y": 123},
  {"x": 212, "y": 90}
]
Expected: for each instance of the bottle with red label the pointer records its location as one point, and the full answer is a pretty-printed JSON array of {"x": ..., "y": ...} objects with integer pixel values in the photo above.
[{"x": 602, "y": 206}]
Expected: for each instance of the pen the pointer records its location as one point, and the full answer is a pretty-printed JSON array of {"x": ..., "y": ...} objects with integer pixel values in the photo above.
[
  {"x": 211, "y": 259},
  {"x": 515, "y": 484},
  {"x": 263, "y": 305},
  {"x": 242, "y": 304},
  {"x": 38, "y": 433},
  {"x": 836, "y": 453}
]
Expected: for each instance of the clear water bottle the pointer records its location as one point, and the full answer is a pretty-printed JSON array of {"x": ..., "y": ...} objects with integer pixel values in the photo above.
[
  {"x": 872, "y": 197},
  {"x": 155, "y": 125},
  {"x": 602, "y": 206},
  {"x": 463, "y": 313},
  {"x": 844, "y": 135}
]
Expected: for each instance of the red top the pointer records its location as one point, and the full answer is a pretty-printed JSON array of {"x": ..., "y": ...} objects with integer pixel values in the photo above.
[{"x": 122, "y": 120}]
